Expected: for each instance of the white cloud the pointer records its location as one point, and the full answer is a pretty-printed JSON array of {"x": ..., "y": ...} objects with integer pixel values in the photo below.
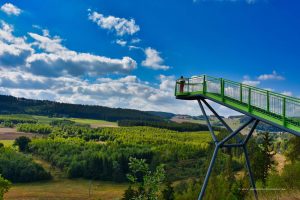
[
  {"x": 46, "y": 32},
  {"x": 125, "y": 92},
  {"x": 132, "y": 47},
  {"x": 273, "y": 76},
  {"x": 10, "y": 9},
  {"x": 247, "y": 80},
  {"x": 51, "y": 71},
  {"x": 250, "y": 82},
  {"x": 121, "y": 42},
  {"x": 49, "y": 45},
  {"x": 77, "y": 64},
  {"x": 153, "y": 60},
  {"x": 13, "y": 50},
  {"x": 121, "y": 26},
  {"x": 54, "y": 59},
  {"x": 135, "y": 40},
  {"x": 287, "y": 93}
]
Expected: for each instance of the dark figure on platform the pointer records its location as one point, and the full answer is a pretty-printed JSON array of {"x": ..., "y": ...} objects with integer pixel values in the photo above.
[{"x": 181, "y": 84}]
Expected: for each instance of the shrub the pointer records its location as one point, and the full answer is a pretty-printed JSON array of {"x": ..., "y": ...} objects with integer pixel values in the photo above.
[
  {"x": 18, "y": 167},
  {"x": 22, "y": 142}
]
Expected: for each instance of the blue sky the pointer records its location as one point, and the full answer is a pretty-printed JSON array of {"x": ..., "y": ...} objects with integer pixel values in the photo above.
[{"x": 128, "y": 53}]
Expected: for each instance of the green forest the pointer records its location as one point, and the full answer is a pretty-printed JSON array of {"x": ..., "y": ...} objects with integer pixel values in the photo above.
[
  {"x": 154, "y": 162},
  {"x": 14, "y": 105}
]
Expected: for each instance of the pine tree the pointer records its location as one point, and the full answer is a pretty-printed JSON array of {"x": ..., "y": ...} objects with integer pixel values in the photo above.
[{"x": 268, "y": 153}]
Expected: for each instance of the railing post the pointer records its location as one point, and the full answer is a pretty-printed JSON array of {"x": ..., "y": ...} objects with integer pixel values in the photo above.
[
  {"x": 284, "y": 110},
  {"x": 241, "y": 92},
  {"x": 268, "y": 101},
  {"x": 175, "y": 88},
  {"x": 249, "y": 99},
  {"x": 188, "y": 85},
  {"x": 204, "y": 84},
  {"x": 222, "y": 89}
]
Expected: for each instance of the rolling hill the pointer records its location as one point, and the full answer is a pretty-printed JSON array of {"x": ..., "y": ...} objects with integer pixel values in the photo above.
[{"x": 14, "y": 105}]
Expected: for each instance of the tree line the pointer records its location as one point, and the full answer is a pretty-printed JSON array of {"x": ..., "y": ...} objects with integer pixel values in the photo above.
[
  {"x": 13, "y": 105},
  {"x": 181, "y": 127}
]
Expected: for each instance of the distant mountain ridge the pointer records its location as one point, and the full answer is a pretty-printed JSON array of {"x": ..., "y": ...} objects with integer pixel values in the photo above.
[{"x": 14, "y": 105}]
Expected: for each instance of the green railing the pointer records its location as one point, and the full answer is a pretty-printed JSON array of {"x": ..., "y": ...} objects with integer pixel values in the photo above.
[{"x": 280, "y": 107}]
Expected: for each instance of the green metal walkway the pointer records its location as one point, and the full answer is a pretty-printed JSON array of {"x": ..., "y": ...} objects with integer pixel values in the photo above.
[
  {"x": 270, "y": 107},
  {"x": 260, "y": 105}
]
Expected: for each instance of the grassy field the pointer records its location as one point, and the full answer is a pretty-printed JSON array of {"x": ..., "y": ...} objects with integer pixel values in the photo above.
[
  {"x": 61, "y": 188},
  {"x": 47, "y": 120},
  {"x": 94, "y": 123},
  {"x": 66, "y": 189},
  {"x": 7, "y": 143}
]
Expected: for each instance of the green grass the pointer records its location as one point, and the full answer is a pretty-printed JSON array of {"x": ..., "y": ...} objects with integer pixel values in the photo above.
[
  {"x": 61, "y": 188},
  {"x": 65, "y": 189},
  {"x": 7, "y": 143},
  {"x": 47, "y": 120},
  {"x": 93, "y": 122}
]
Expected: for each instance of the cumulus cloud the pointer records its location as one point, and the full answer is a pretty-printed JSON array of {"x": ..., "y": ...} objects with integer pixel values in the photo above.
[
  {"x": 153, "y": 60},
  {"x": 126, "y": 92},
  {"x": 264, "y": 77},
  {"x": 273, "y": 76},
  {"x": 11, "y": 9},
  {"x": 51, "y": 71},
  {"x": 121, "y": 42},
  {"x": 250, "y": 82},
  {"x": 13, "y": 50},
  {"x": 77, "y": 64},
  {"x": 121, "y": 26},
  {"x": 50, "y": 45},
  {"x": 54, "y": 59}
]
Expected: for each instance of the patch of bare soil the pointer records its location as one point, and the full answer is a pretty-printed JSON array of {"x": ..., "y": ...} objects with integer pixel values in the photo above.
[{"x": 12, "y": 133}]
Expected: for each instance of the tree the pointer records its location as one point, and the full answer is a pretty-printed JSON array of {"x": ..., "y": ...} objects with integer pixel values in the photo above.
[
  {"x": 22, "y": 142},
  {"x": 4, "y": 186},
  {"x": 268, "y": 153},
  {"x": 148, "y": 183},
  {"x": 168, "y": 192},
  {"x": 262, "y": 159},
  {"x": 293, "y": 152}
]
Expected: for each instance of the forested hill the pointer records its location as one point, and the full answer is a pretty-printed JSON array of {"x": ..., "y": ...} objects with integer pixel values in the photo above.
[{"x": 13, "y": 105}]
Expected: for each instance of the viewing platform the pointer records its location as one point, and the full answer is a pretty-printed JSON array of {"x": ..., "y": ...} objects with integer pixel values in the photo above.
[{"x": 272, "y": 108}]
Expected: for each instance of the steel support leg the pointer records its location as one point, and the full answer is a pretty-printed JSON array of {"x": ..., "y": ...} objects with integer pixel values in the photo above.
[
  {"x": 208, "y": 122},
  {"x": 222, "y": 144},
  {"x": 220, "y": 119},
  {"x": 250, "y": 172},
  {"x": 212, "y": 162}
]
